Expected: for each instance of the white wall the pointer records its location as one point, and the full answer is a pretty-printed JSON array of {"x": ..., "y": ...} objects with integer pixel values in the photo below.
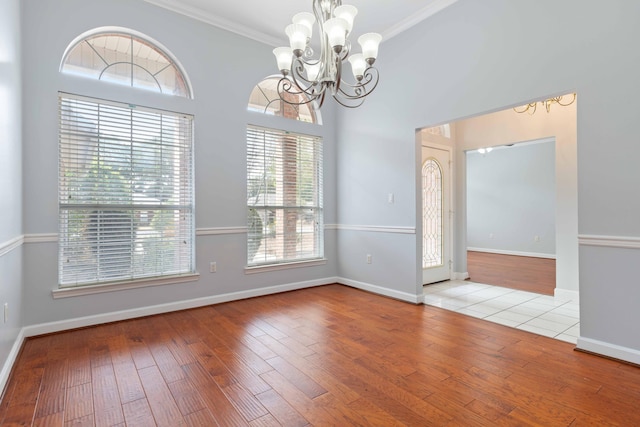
[
  {"x": 476, "y": 57},
  {"x": 223, "y": 68},
  {"x": 511, "y": 195},
  {"x": 10, "y": 177}
]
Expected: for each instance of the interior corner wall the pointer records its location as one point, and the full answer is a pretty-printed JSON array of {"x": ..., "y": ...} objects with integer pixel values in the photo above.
[
  {"x": 223, "y": 68},
  {"x": 10, "y": 177},
  {"x": 466, "y": 60}
]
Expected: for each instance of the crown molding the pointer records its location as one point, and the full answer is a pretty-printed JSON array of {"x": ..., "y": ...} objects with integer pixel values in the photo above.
[
  {"x": 424, "y": 13},
  {"x": 210, "y": 18},
  {"x": 251, "y": 33}
]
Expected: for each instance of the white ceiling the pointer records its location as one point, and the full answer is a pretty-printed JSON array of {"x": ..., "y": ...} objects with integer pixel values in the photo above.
[{"x": 265, "y": 20}]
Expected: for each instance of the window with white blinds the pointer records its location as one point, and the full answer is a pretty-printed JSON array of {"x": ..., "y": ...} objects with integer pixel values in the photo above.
[
  {"x": 125, "y": 192},
  {"x": 284, "y": 197}
]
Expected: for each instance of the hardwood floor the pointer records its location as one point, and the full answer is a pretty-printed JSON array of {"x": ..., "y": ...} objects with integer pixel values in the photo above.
[
  {"x": 323, "y": 356},
  {"x": 517, "y": 272}
]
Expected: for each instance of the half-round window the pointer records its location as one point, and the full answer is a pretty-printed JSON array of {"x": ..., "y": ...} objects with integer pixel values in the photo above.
[
  {"x": 265, "y": 99},
  {"x": 121, "y": 57}
]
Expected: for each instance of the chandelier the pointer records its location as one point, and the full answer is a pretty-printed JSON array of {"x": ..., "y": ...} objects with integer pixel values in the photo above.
[
  {"x": 531, "y": 108},
  {"x": 307, "y": 77}
]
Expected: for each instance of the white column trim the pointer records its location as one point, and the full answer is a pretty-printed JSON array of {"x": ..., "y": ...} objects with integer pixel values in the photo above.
[
  {"x": 377, "y": 228},
  {"x": 456, "y": 275},
  {"x": 403, "y": 296},
  {"x": 11, "y": 359},
  {"x": 610, "y": 350},
  {"x": 10, "y": 245},
  {"x": 41, "y": 238},
  {"x": 630, "y": 242},
  {"x": 213, "y": 231},
  {"x": 566, "y": 294}
]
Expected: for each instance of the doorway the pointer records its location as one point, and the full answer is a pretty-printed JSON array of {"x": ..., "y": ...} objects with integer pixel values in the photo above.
[
  {"x": 436, "y": 213},
  {"x": 554, "y": 315}
]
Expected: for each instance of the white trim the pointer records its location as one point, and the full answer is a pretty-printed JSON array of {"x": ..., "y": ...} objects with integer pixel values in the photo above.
[
  {"x": 456, "y": 275},
  {"x": 215, "y": 231},
  {"x": 377, "y": 228},
  {"x": 211, "y": 231},
  {"x": 10, "y": 245},
  {"x": 283, "y": 266},
  {"x": 430, "y": 10},
  {"x": 11, "y": 359},
  {"x": 403, "y": 296},
  {"x": 566, "y": 294},
  {"x": 626, "y": 242},
  {"x": 41, "y": 238},
  {"x": 80, "y": 322},
  {"x": 610, "y": 350},
  {"x": 120, "y": 286},
  {"x": 516, "y": 253},
  {"x": 215, "y": 20}
]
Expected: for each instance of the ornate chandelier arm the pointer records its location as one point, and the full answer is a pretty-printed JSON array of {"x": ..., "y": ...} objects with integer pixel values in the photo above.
[{"x": 362, "y": 89}]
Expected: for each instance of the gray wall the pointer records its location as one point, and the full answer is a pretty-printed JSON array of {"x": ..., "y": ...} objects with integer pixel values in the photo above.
[
  {"x": 10, "y": 174},
  {"x": 223, "y": 69},
  {"x": 511, "y": 194},
  {"x": 479, "y": 56}
]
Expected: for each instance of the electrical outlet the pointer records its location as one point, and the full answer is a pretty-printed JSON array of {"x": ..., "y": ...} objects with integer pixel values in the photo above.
[
  {"x": 212, "y": 267},
  {"x": 368, "y": 258},
  {"x": 536, "y": 238}
]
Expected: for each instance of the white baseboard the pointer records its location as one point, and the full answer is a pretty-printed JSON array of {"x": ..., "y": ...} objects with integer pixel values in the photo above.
[
  {"x": 403, "y": 296},
  {"x": 516, "y": 253},
  {"x": 80, "y": 322},
  {"x": 456, "y": 275},
  {"x": 565, "y": 294},
  {"x": 610, "y": 350},
  {"x": 11, "y": 359}
]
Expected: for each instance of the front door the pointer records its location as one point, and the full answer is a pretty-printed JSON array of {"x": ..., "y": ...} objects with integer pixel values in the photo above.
[{"x": 436, "y": 216}]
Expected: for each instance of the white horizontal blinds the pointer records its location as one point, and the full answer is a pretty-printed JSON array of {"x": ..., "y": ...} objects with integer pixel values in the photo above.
[
  {"x": 125, "y": 188},
  {"x": 284, "y": 196}
]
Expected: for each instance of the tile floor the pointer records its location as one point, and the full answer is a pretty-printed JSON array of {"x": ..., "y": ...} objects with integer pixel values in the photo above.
[{"x": 540, "y": 314}]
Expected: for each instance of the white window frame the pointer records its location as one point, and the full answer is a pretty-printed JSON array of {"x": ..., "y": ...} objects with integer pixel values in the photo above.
[
  {"x": 287, "y": 248},
  {"x": 77, "y": 250}
]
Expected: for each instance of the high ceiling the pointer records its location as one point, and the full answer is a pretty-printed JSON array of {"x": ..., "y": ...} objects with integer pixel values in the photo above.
[{"x": 265, "y": 20}]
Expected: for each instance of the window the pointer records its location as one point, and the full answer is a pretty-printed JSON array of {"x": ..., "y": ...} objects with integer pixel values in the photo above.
[
  {"x": 432, "y": 225},
  {"x": 265, "y": 99},
  {"x": 125, "y": 192},
  {"x": 284, "y": 197},
  {"x": 120, "y": 57}
]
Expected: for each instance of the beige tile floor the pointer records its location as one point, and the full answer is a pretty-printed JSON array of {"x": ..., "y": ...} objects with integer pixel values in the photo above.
[{"x": 540, "y": 314}]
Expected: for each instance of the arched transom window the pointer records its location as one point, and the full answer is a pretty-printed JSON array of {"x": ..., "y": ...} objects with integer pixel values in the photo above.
[
  {"x": 121, "y": 57},
  {"x": 432, "y": 226},
  {"x": 265, "y": 99}
]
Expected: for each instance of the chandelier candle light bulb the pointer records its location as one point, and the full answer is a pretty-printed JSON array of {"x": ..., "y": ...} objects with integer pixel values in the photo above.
[
  {"x": 348, "y": 13},
  {"x": 369, "y": 43},
  {"x": 308, "y": 77},
  {"x": 283, "y": 57}
]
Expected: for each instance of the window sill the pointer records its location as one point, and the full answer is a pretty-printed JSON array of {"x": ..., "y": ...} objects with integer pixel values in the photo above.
[
  {"x": 75, "y": 291},
  {"x": 284, "y": 266}
]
